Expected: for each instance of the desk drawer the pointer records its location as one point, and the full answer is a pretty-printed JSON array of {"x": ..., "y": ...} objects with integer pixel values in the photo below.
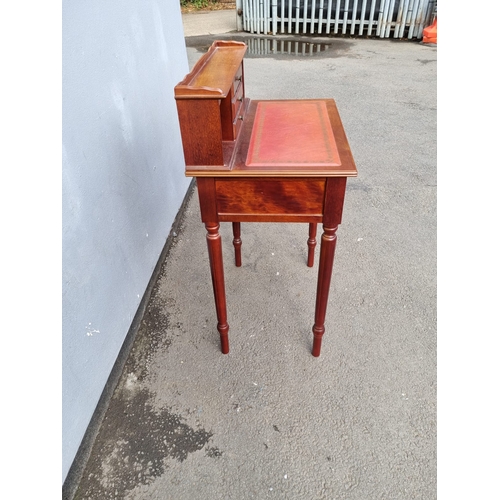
[
  {"x": 237, "y": 100},
  {"x": 238, "y": 121},
  {"x": 238, "y": 79},
  {"x": 271, "y": 196}
]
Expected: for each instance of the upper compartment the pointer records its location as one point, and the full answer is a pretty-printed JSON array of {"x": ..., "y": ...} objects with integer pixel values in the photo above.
[{"x": 213, "y": 75}]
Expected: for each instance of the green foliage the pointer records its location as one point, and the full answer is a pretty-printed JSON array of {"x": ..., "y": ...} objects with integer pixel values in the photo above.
[{"x": 197, "y": 4}]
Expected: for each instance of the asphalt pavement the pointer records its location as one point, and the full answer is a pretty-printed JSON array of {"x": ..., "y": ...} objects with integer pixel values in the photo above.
[{"x": 269, "y": 420}]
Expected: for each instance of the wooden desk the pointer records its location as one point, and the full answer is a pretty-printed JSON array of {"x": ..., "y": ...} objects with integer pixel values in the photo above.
[{"x": 261, "y": 161}]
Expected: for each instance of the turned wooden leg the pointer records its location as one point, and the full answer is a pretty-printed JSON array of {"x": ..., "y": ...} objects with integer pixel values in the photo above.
[
  {"x": 237, "y": 243},
  {"x": 214, "y": 244},
  {"x": 327, "y": 252},
  {"x": 311, "y": 243}
]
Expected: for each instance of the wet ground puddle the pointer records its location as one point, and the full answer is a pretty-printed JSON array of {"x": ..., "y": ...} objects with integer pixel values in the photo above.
[{"x": 275, "y": 46}]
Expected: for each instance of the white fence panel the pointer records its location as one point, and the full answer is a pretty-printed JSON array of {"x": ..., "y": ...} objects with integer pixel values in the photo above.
[{"x": 382, "y": 18}]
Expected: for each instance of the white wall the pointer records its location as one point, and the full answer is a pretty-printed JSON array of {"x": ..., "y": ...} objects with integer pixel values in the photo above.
[{"x": 122, "y": 181}]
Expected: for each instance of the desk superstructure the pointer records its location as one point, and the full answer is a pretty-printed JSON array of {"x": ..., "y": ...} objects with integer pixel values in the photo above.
[{"x": 261, "y": 161}]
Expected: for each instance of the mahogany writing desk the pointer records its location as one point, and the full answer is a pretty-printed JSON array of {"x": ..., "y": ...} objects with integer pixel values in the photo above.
[{"x": 261, "y": 161}]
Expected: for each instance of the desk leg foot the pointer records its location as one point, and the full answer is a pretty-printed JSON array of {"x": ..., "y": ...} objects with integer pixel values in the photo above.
[
  {"x": 318, "y": 337},
  {"x": 328, "y": 242},
  {"x": 237, "y": 243},
  {"x": 311, "y": 243},
  {"x": 214, "y": 244}
]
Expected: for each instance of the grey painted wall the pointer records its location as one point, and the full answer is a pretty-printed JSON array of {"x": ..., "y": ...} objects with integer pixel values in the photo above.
[{"x": 122, "y": 181}]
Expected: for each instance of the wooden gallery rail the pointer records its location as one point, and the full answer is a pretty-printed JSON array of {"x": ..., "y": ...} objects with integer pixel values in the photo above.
[{"x": 261, "y": 161}]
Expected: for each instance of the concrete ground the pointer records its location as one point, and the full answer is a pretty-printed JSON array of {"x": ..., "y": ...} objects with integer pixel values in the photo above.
[{"x": 269, "y": 420}]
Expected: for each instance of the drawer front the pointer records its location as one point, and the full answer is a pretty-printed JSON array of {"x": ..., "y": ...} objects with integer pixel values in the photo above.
[
  {"x": 238, "y": 79},
  {"x": 231, "y": 107},
  {"x": 271, "y": 196},
  {"x": 237, "y": 122},
  {"x": 237, "y": 100}
]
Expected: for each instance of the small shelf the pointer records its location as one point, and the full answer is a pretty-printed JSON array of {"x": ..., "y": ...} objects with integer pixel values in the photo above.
[{"x": 214, "y": 73}]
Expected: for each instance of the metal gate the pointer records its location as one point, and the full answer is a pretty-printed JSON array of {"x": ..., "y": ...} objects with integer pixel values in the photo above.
[{"x": 382, "y": 18}]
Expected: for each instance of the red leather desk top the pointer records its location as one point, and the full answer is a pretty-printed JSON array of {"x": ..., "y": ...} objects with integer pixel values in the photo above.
[{"x": 292, "y": 134}]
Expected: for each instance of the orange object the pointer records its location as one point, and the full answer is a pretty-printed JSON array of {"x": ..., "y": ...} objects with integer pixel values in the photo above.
[{"x": 431, "y": 33}]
